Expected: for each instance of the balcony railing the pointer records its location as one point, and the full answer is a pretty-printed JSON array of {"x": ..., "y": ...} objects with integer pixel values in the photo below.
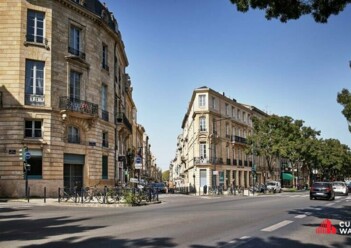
[
  {"x": 239, "y": 139},
  {"x": 78, "y": 105},
  {"x": 76, "y": 52},
  {"x": 198, "y": 161},
  {"x": 121, "y": 118},
  {"x": 36, "y": 39},
  {"x": 104, "y": 115},
  {"x": 35, "y": 100}
]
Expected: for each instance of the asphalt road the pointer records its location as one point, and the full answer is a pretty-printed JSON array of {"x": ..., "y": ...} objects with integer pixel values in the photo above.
[{"x": 280, "y": 220}]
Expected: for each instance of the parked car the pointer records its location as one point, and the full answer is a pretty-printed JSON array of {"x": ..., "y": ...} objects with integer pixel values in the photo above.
[
  {"x": 322, "y": 190},
  {"x": 159, "y": 187},
  {"x": 340, "y": 188},
  {"x": 274, "y": 186}
]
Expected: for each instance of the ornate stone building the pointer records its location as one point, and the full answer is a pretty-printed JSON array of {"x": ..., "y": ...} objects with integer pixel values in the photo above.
[
  {"x": 211, "y": 148},
  {"x": 64, "y": 94}
]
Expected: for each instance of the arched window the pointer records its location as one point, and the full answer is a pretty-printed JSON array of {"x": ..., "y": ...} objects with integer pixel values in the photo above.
[{"x": 73, "y": 135}]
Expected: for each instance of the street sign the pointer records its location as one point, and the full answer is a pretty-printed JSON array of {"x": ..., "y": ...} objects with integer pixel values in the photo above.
[
  {"x": 138, "y": 162},
  {"x": 27, "y": 155},
  {"x": 134, "y": 180}
]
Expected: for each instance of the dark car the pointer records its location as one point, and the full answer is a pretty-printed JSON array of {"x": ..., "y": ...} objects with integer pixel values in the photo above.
[
  {"x": 323, "y": 190},
  {"x": 159, "y": 187},
  {"x": 349, "y": 186}
]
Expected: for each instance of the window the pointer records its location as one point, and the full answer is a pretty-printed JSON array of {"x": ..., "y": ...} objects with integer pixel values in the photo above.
[
  {"x": 34, "y": 82},
  {"x": 35, "y": 26},
  {"x": 33, "y": 129},
  {"x": 203, "y": 150},
  {"x": 213, "y": 102},
  {"x": 75, "y": 42},
  {"x": 202, "y": 121},
  {"x": 227, "y": 130},
  {"x": 227, "y": 109},
  {"x": 238, "y": 114},
  {"x": 233, "y": 112},
  {"x": 73, "y": 135},
  {"x": 202, "y": 100},
  {"x": 105, "y": 139},
  {"x": 36, "y": 164},
  {"x": 74, "y": 85},
  {"x": 244, "y": 117},
  {"x": 104, "y": 113},
  {"x": 104, "y": 57},
  {"x": 104, "y": 167}
]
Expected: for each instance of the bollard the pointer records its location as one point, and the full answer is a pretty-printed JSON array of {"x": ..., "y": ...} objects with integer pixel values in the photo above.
[
  {"x": 104, "y": 201},
  {"x": 157, "y": 195},
  {"x": 44, "y": 194},
  {"x": 28, "y": 194},
  {"x": 81, "y": 193},
  {"x": 59, "y": 194}
]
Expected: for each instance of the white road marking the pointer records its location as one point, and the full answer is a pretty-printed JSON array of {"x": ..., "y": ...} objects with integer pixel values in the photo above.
[
  {"x": 330, "y": 204},
  {"x": 245, "y": 237},
  {"x": 301, "y": 216},
  {"x": 276, "y": 226},
  {"x": 317, "y": 209},
  {"x": 308, "y": 213}
]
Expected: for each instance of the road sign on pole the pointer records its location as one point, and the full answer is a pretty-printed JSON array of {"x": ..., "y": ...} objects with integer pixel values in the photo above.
[{"x": 27, "y": 155}]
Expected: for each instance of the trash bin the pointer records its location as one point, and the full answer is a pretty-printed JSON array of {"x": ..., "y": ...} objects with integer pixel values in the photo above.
[{"x": 205, "y": 189}]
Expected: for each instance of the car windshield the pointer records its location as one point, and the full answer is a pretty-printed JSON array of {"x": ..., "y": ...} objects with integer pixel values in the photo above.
[
  {"x": 320, "y": 185},
  {"x": 338, "y": 184},
  {"x": 271, "y": 183}
]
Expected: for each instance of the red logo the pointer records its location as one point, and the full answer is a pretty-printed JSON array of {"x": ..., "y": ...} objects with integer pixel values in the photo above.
[{"x": 326, "y": 227}]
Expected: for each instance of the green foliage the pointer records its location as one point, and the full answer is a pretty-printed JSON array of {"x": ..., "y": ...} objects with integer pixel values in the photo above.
[
  {"x": 344, "y": 98},
  {"x": 286, "y": 10},
  {"x": 165, "y": 176},
  {"x": 278, "y": 137}
]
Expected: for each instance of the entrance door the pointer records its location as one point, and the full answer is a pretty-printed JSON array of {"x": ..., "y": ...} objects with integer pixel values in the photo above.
[{"x": 73, "y": 176}]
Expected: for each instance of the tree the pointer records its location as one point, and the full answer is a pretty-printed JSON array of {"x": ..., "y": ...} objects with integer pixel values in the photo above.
[
  {"x": 269, "y": 138},
  {"x": 286, "y": 10},
  {"x": 165, "y": 176},
  {"x": 344, "y": 98}
]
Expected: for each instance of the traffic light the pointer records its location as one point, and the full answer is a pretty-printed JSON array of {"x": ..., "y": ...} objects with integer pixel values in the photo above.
[{"x": 22, "y": 153}]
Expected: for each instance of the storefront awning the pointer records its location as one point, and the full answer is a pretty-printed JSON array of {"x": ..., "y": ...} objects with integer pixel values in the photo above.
[{"x": 287, "y": 176}]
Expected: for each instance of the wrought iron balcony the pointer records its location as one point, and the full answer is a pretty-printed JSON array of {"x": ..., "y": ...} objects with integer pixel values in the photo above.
[
  {"x": 121, "y": 118},
  {"x": 239, "y": 139},
  {"x": 216, "y": 160},
  {"x": 34, "y": 100},
  {"x": 199, "y": 161},
  {"x": 76, "y": 52},
  {"x": 77, "y": 105}
]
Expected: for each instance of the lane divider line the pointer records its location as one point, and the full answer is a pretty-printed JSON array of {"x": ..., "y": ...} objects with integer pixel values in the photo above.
[
  {"x": 301, "y": 216},
  {"x": 277, "y": 226}
]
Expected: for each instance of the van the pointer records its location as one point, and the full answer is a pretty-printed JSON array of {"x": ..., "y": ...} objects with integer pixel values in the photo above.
[{"x": 274, "y": 186}]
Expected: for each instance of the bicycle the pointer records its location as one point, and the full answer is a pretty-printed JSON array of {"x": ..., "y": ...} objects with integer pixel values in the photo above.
[
  {"x": 90, "y": 193},
  {"x": 70, "y": 194}
]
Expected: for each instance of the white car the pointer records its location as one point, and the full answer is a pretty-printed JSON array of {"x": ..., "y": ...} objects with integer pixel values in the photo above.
[
  {"x": 274, "y": 186},
  {"x": 340, "y": 188}
]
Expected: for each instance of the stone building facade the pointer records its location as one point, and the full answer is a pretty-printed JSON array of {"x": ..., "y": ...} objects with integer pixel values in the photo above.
[
  {"x": 212, "y": 148},
  {"x": 65, "y": 95}
]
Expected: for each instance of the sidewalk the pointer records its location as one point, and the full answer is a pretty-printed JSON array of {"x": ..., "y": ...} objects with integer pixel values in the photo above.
[{"x": 55, "y": 202}]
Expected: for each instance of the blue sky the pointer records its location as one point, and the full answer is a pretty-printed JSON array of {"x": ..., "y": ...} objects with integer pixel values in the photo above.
[{"x": 176, "y": 46}]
